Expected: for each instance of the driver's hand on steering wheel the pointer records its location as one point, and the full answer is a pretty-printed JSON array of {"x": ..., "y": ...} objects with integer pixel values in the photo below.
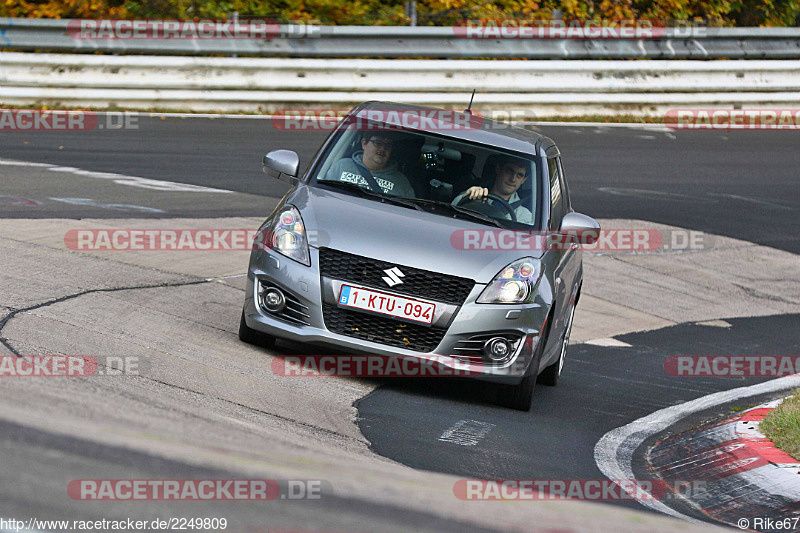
[{"x": 477, "y": 193}]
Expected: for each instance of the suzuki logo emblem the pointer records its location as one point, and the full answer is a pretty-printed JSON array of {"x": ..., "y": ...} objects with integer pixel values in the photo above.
[{"x": 393, "y": 276}]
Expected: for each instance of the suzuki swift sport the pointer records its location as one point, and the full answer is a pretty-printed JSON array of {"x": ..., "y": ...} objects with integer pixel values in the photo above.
[{"x": 419, "y": 232}]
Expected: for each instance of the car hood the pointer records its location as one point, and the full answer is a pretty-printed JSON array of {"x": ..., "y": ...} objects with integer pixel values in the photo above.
[{"x": 399, "y": 235}]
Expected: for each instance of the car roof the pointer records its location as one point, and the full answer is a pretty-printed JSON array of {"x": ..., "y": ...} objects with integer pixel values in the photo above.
[{"x": 479, "y": 129}]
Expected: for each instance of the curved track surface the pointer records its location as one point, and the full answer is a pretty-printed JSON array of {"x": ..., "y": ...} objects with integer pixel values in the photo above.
[
  {"x": 602, "y": 388},
  {"x": 739, "y": 185}
]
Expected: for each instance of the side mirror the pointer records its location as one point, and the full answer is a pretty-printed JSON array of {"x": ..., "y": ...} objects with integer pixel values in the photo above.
[
  {"x": 281, "y": 162},
  {"x": 585, "y": 227}
]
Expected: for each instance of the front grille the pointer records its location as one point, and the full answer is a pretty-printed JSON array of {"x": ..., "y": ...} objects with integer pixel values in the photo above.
[
  {"x": 471, "y": 349},
  {"x": 416, "y": 282},
  {"x": 381, "y": 330}
]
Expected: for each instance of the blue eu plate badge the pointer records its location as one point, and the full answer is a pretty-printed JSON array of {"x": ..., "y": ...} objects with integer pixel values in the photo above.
[{"x": 345, "y": 295}]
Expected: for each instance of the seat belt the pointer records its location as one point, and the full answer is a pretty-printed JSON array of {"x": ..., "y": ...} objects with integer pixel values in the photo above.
[
  {"x": 373, "y": 183},
  {"x": 517, "y": 203}
]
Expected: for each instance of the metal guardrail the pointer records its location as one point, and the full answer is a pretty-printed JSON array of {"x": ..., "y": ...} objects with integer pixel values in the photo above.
[
  {"x": 527, "y": 88},
  {"x": 412, "y": 42},
  {"x": 399, "y": 75}
]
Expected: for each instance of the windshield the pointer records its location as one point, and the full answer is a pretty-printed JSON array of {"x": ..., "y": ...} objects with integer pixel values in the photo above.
[{"x": 439, "y": 174}]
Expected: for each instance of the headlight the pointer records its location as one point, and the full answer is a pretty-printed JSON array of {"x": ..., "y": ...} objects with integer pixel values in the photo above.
[
  {"x": 514, "y": 284},
  {"x": 287, "y": 235}
]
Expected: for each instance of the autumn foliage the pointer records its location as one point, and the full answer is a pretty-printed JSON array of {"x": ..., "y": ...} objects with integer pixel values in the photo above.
[{"x": 430, "y": 12}]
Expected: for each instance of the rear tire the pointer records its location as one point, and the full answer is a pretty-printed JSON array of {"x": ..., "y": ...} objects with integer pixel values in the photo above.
[{"x": 251, "y": 336}]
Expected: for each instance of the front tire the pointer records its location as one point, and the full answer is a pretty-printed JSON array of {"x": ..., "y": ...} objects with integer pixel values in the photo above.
[
  {"x": 520, "y": 397},
  {"x": 550, "y": 375},
  {"x": 251, "y": 336}
]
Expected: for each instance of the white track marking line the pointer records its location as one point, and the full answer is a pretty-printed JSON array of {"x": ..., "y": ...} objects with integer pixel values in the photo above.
[
  {"x": 466, "y": 432},
  {"x": 608, "y": 342},
  {"x": 120, "y": 179},
  {"x": 751, "y": 200},
  {"x": 119, "y": 207},
  {"x": 715, "y": 324},
  {"x": 219, "y": 278},
  {"x": 613, "y": 453}
]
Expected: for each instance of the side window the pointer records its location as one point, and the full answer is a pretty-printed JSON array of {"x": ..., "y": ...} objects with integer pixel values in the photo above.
[{"x": 557, "y": 204}]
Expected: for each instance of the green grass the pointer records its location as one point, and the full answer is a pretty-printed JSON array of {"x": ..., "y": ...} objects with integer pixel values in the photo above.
[
  {"x": 782, "y": 425},
  {"x": 740, "y": 408}
]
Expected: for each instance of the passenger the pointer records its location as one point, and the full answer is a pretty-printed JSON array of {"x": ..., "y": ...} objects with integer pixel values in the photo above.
[{"x": 373, "y": 159}]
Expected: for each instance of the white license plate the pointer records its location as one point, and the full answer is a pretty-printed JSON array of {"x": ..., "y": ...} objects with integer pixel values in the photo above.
[{"x": 386, "y": 304}]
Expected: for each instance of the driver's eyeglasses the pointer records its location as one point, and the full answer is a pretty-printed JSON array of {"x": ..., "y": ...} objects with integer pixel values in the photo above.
[{"x": 382, "y": 144}]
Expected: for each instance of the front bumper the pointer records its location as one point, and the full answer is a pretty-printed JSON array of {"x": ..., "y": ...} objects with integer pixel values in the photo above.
[{"x": 310, "y": 292}]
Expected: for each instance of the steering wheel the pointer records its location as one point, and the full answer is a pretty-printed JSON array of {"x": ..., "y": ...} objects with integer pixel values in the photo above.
[{"x": 492, "y": 209}]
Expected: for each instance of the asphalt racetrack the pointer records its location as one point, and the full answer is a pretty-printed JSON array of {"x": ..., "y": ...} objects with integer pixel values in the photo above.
[
  {"x": 740, "y": 184},
  {"x": 206, "y": 405}
]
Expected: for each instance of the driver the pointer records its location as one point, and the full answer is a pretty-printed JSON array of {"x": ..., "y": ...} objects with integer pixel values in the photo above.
[
  {"x": 509, "y": 175},
  {"x": 373, "y": 158}
]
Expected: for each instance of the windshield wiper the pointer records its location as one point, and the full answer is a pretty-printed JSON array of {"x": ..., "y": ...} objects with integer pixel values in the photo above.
[
  {"x": 367, "y": 193},
  {"x": 460, "y": 210}
]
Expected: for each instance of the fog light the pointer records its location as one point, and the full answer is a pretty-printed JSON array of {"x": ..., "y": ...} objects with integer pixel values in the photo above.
[
  {"x": 273, "y": 300},
  {"x": 497, "y": 349}
]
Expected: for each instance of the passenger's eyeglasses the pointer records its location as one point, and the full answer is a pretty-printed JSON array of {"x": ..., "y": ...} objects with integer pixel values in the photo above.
[{"x": 382, "y": 144}]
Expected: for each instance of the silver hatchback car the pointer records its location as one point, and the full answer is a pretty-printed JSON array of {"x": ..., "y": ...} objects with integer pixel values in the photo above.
[{"x": 424, "y": 233}]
